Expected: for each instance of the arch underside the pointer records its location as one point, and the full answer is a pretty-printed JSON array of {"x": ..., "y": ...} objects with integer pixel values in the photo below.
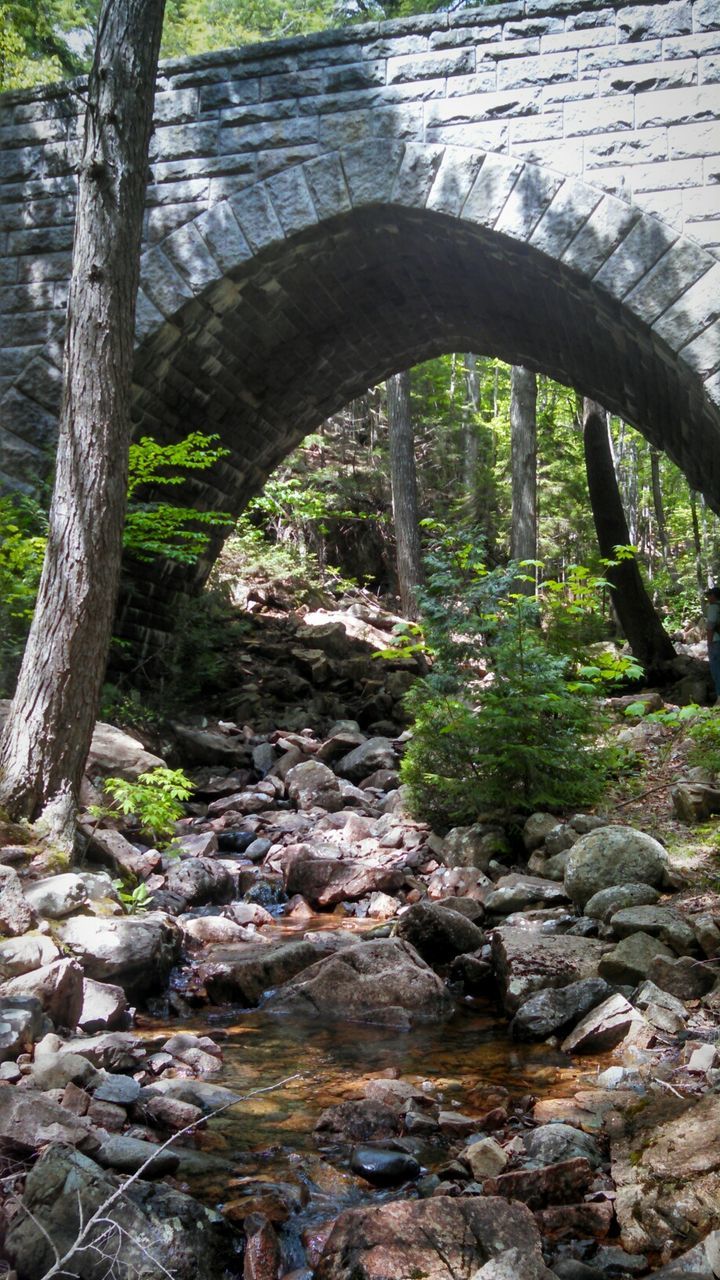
[{"x": 266, "y": 354}]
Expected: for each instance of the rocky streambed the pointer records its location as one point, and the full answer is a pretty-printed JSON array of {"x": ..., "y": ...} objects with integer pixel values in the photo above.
[{"x": 339, "y": 1045}]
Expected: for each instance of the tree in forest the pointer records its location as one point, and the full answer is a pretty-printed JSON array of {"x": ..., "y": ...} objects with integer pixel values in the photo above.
[
  {"x": 648, "y": 641},
  {"x": 523, "y": 461},
  {"x": 48, "y": 731},
  {"x": 403, "y": 483}
]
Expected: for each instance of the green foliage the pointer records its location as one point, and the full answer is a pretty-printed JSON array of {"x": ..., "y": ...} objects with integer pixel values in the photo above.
[
  {"x": 134, "y": 899},
  {"x": 199, "y": 656},
  {"x": 40, "y": 40},
  {"x": 522, "y": 740},
  {"x": 704, "y": 735},
  {"x": 155, "y": 528},
  {"x": 155, "y": 801},
  {"x": 22, "y": 547}
]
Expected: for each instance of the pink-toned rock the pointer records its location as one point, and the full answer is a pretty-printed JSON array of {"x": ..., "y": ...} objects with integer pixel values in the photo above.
[
  {"x": 430, "y": 1238},
  {"x": 104, "y": 1007},
  {"x": 553, "y": 1184},
  {"x": 212, "y": 929},
  {"x": 592, "y": 1218},
  {"x": 325, "y": 882}
]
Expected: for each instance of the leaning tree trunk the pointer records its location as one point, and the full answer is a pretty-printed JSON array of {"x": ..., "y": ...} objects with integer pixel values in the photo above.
[
  {"x": 47, "y": 735},
  {"x": 403, "y": 480},
  {"x": 523, "y": 463},
  {"x": 650, "y": 644}
]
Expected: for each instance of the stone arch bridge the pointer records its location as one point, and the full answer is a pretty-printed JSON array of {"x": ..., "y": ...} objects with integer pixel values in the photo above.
[{"x": 538, "y": 179}]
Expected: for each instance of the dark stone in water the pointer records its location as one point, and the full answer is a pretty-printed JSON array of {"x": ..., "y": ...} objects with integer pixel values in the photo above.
[
  {"x": 384, "y": 1168},
  {"x": 235, "y": 841},
  {"x": 265, "y": 894}
]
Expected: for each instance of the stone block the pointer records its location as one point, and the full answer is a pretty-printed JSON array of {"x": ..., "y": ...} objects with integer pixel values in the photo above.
[
  {"x": 592, "y": 61},
  {"x": 644, "y": 244},
  {"x": 645, "y": 77},
  {"x": 607, "y": 225},
  {"x": 703, "y": 353},
  {"x": 600, "y": 117},
  {"x": 229, "y": 93},
  {"x": 454, "y": 180},
  {"x": 676, "y": 106},
  {"x": 191, "y": 191},
  {"x": 529, "y": 73},
  {"x": 674, "y": 273},
  {"x": 187, "y": 250},
  {"x": 357, "y": 75},
  {"x": 162, "y": 283},
  {"x": 528, "y": 200},
  {"x": 692, "y": 312},
  {"x": 491, "y": 189},
  {"x": 624, "y": 148},
  {"x": 427, "y": 66},
  {"x": 326, "y": 182},
  {"x": 176, "y": 106},
  {"x": 417, "y": 174},
  {"x": 291, "y": 86},
  {"x": 257, "y": 218},
  {"x": 147, "y": 317},
  {"x": 648, "y": 22},
  {"x": 291, "y": 200},
  {"x": 27, "y": 419},
  {"x": 220, "y": 230},
  {"x": 42, "y": 381},
  {"x": 177, "y": 141},
  {"x": 370, "y": 172},
  {"x": 463, "y": 35},
  {"x": 591, "y": 38},
  {"x": 482, "y": 106},
  {"x": 537, "y": 128}
]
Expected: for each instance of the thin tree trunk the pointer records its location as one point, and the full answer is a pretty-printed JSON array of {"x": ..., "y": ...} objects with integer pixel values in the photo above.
[
  {"x": 658, "y": 503},
  {"x": 700, "y": 573},
  {"x": 48, "y": 732},
  {"x": 403, "y": 481},
  {"x": 523, "y": 461},
  {"x": 650, "y": 644},
  {"x": 471, "y": 451}
]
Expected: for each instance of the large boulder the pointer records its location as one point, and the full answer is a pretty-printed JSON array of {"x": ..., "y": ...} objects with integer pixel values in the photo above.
[
  {"x": 28, "y": 1121},
  {"x": 21, "y": 1024},
  {"x": 114, "y": 753},
  {"x": 58, "y": 987},
  {"x": 135, "y": 953},
  {"x": 517, "y": 893},
  {"x": 527, "y": 962},
  {"x": 199, "y": 880},
  {"x": 151, "y": 1230},
  {"x": 603, "y": 904},
  {"x": 614, "y": 855},
  {"x": 57, "y": 896},
  {"x": 17, "y": 915},
  {"x": 554, "y": 1010},
  {"x": 474, "y": 846},
  {"x": 628, "y": 963},
  {"x": 104, "y": 1007},
  {"x": 313, "y": 785},
  {"x": 433, "y": 1238},
  {"x": 382, "y": 981},
  {"x": 438, "y": 933},
  {"x": 325, "y": 882},
  {"x": 376, "y": 753},
  {"x": 241, "y": 974},
  {"x": 23, "y": 954},
  {"x": 602, "y": 1028},
  {"x": 660, "y": 922}
]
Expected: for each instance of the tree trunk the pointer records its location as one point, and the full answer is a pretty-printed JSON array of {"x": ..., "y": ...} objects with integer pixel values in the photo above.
[
  {"x": 650, "y": 644},
  {"x": 48, "y": 732},
  {"x": 471, "y": 443},
  {"x": 403, "y": 482},
  {"x": 523, "y": 461}
]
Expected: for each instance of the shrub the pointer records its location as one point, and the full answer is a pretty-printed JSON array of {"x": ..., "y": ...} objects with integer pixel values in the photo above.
[{"x": 155, "y": 800}]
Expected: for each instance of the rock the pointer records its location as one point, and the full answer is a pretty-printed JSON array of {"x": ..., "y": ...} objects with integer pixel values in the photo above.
[
  {"x": 136, "y": 953},
  {"x": 537, "y": 827},
  {"x": 312, "y": 785},
  {"x": 700, "y": 1263},
  {"x": 554, "y": 1143},
  {"x": 629, "y": 962},
  {"x": 555, "y": 867},
  {"x": 430, "y": 1238},
  {"x": 111, "y": 1050},
  {"x": 374, "y": 754},
  {"x": 124, "y": 1090},
  {"x": 561, "y": 1183},
  {"x": 199, "y": 880},
  {"x": 553, "y": 1011},
  {"x": 439, "y": 934},
  {"x": 57, "y": 896},
  {"x": 202, "y": 845},
  {"x": 514, "y": 893},
  {"x": 707, "y": 933},
  {"x": 560, "y": 840},
  {"x": 614, "y": 855},
  {"x": 114, "y": 753},
  {"x": 485, "y": 1157},
  {"x": 695, "y": 801},
  {"x": 23, "y": 954},
  {"x": 164, "y": 1232},
  {"x": 114, "y": 851},
  {"x": 659, "y": 922},
  {"x": 58, "y": 987},
  {"x": 21, "y": 1024},
  {"x": 28, "y": 1121},
  {"x": 685, "y": 978},
  {"x": 465, "y": 882},
  {"x": 104, "y": 1007},
  {"x": 384, "y": 1168},
  {"x": 204, "y": 746},
  {"x": 212, "y": 929},
  {"x": 474, "y": 846},
  {"x": 127, "y": 1155},
  {"x": 244, "y": 974},
  {"x": 382, "y": 907},
  {"x": 325, "y": 882},
  {"x": 602, "y": 1028},
  {"x": 604, "y": 904},
  {"x": 382, "y": 981},
  {"x": 17, "y": 914},
  {"x": 526, "y": 962},
  {"x": 514, "y": 1265},
  {"x": 58, "y": 1070},
  {"x": 359, "y": 1120}
]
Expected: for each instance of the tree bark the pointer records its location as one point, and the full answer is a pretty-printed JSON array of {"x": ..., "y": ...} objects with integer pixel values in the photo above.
[
  {"x": 650, "y": 644},
  {"x": 48, "y": 732},
  {"x": 471, "y": 443},
  {"x": 403, "y": 480},
  {"x": 523, "y": 462}
]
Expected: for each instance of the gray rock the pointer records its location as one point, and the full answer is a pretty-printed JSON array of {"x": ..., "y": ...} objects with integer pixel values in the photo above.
[
  {"x": 685, "y": 978},
  {"x": 242, "y": 974},
  {"x": 603, "y": 905},
  {"x": 383, "y": 981},
  {"x": 659, "y": 922},
  {"x": 602, "y": 1028},
  {"x": 614, "y": 855},
  {"x": 560, "y": 840},
  {"x": 474, "y": 846},
  {"x": 117, "y": 754},
  {"x": 438, "y": 933},
  {"x": 529, "y": 962},
  {"x": 163, "y": 1231},
  {"x": 382, "y": 1167},
  {"x": 552, "y": 1143},
  {"x": 552, "y": 1011},
  {"x": 58, "y": 987},
  {"x": 199, "y": 880},
  {"x": 57, "y": 896},
  {"x": 629, "y": 962},
  {"x": 124, "y": 1090},
  {"x": 17, "y": 915},
  {"x": 29, "y": 1121},
  {"x": 312, "y": 785},
  {"x": 376, "y": 753},
  {"x": 21, "y": 1024},
  {"x": 537, "y": 828},
  {"x": 104, "y": 1007},
  {"x": 127, "y": 1155},
  {"x": 135, "y": 953},
  {"x": 516, "y": 892},
  {"x": 325, "y": 882}
]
